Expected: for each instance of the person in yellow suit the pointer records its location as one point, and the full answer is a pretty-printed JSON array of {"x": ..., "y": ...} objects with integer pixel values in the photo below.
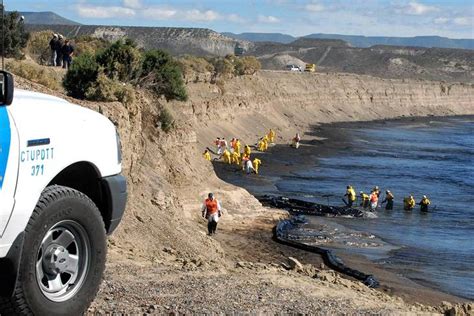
[
  {"x": 351, "y": 195},
  {"x": 226, "y": 156},
  {"x": 207, "y": 155},
  {"x": 271, "y": 136},
  {"x": 236, "y": 158},
  {"x": 247, "y": 150},
  {"x": 409, "y": 203},
  {"x": 256, "y": 163},
  {"x": 260, "y": 145},
  {"x": 237, "y": 146},
  {"x": 364, "y": 199},
  {"x": 424, "y": 204},
  {"x": 265, "y": 143}
]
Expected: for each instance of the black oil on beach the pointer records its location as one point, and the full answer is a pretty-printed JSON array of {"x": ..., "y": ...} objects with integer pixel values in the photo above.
[{"x": 433, "y": 156}]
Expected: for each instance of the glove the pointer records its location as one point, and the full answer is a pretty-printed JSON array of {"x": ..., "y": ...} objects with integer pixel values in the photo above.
[{"x": 219, "y": 213}]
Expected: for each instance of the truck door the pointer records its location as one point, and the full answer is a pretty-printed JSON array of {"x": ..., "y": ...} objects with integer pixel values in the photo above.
[{"x": 8, "y": 166}]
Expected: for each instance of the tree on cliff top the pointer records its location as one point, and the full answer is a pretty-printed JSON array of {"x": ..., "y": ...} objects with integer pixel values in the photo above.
[{"x": 16, "y": 37}]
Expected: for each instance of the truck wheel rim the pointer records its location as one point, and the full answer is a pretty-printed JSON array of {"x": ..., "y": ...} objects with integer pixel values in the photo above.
[{"x": 63, "y": 260}]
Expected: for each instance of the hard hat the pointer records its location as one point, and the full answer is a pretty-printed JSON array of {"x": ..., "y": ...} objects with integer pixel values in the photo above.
[
  {"x": 424, "y": 196},
  {"x": 55, "y": 35},
  {"x": 60, "y": 36},
  {"x": 361, "y": 192},
  {"x": 388, "y": 191},
  {"x": 376, "y": 187}
]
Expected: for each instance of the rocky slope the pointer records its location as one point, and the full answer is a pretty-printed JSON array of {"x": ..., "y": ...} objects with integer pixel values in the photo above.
[
  {"x": 178, "y": 41},
  {"x": 453, "y": 65},
  {"x": 160, "y": 258}
]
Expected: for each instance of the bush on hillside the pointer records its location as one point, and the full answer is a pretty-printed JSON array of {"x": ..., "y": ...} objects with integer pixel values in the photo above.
[
  {"x": 106, "y": 89},
  {"x": 81, "y": 76},
  {"x": 15, "y": 36},
  {"x": 166, "y": 120},
  {"x": 223, "y": 67},
  {"x": 121, "y": 60},
  {"x": 247, "y": 65},
  {"x": 38, "y": 47},
  {"x": 163, "y": 75},
  {"x": 32, "y": 71},
  {"x": 101, "y": 76},
  {"x": 90, "y": 45},
  {"x": 190, "y": 64}
]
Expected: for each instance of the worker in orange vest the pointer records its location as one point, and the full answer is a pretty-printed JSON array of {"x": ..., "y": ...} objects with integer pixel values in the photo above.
[
  {"x": 374, "y": 200},
  {"x": 211, "y": 210}
]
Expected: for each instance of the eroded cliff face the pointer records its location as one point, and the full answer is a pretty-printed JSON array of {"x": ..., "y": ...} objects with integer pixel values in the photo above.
[
  {"x": 291, "y": 102},
  {"x": 168, "y": 178}
]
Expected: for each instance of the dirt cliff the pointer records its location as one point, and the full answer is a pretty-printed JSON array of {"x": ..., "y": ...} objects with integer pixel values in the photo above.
[{"x": 161, "y": 242}]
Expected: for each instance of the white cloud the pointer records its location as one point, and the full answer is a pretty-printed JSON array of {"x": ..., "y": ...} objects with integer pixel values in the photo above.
[
  {"x": 441, "y": 20},
  {"x": 134, "y": 4},
  {"x": 314, "y": 7},
  {"x": 416, "y": 8},
  {"x": 464, "y": 21},
  {"x": 235, "y": 18},
  {"x": 160, "y": 13},
  {"x": 268, "y": 19},
  {"x": 201, "y": 16},
  {"x": 101, "y": 12}
]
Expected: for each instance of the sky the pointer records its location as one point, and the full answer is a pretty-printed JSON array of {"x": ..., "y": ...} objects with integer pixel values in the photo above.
[{"x": 450, "y": 18}]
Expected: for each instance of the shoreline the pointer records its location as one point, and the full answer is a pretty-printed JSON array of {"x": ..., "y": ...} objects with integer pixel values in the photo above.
[{"x": 323, "y": 140}]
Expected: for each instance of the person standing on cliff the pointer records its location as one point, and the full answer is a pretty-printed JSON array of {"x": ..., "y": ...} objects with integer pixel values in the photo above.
[
  {"x": 59, "y": 49},
  {"x": 211, "y": 210},
  {"x": 52, "y": 45}
]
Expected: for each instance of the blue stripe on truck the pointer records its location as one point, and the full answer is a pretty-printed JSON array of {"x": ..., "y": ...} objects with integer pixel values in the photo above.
[{"x": 5, "y": 138}]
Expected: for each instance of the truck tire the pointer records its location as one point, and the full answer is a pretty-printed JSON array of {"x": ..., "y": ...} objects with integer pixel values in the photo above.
[{"x": 63, "y": 256}]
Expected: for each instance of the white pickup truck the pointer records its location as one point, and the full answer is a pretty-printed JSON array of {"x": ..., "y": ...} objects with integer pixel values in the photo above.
[{"x": 61, "y": 193}]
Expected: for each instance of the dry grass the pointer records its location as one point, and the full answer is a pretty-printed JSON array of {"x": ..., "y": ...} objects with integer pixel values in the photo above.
[{"x": 47, "y": 76}]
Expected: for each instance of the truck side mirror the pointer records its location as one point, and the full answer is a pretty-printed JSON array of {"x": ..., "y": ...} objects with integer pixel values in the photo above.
[{"x": 6, "y": 88}]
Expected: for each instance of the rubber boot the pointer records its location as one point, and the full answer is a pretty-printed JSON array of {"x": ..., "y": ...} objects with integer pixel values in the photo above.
[{"x": 209, "y": 227}]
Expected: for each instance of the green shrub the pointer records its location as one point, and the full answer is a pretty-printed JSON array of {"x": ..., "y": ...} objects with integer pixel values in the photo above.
[
  {"x": 166, "y": 120},
  {"x": 106, "y": 89},
  {"x": 90, "y": 45},
  {"x": 32, "y": 71},
  {"x": 121, "y": 60},
  {"x": 15, "y": 36},
  {"x": 163, "y": 75},
  {"x": 100, "y": 76},
  {"x": 223, "y": 67},
  {"x": 81, "y": 76},
  {"x": 154, "y": 59},
  {"x": 38, "y": 47}
]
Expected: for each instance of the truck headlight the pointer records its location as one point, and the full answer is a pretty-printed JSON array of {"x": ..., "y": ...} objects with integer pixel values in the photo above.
[{"x": 119, "y": 147}]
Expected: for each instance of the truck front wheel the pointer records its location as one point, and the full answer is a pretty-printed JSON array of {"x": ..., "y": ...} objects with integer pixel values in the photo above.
[{"x": 63, "y": 256}]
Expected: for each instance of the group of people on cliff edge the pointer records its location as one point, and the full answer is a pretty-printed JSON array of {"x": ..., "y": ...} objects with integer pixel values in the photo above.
[{"x": 61, "y": 51}]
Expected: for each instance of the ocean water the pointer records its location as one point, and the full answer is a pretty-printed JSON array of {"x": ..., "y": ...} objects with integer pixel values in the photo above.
[{"x": 433, "y": 158}]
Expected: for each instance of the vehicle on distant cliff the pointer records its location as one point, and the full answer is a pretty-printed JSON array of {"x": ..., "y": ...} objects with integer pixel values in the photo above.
[
  {"x": 310, "y": 68},
  {"x": 292, "y": 68},
  {"x": 61, "y": 193}
]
